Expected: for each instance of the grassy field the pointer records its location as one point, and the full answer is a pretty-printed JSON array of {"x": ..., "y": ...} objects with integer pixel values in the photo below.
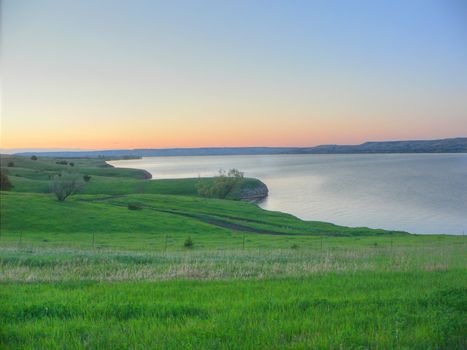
[
  {"x": 414, "y": 309},
  {"x": 89, "y": 273}
]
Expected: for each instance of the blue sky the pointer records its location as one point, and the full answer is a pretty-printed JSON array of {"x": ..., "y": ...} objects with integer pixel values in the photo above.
[{"x": 113, "y": 74}]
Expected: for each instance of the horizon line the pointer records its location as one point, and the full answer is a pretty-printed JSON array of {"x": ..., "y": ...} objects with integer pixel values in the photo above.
[{"x": 59, "y": 149}]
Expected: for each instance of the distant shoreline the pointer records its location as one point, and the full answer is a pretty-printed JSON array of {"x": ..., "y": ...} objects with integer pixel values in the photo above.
[{"x": 452, "y": 145}]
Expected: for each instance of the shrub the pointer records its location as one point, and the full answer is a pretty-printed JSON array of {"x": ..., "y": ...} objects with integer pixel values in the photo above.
[
  {"x": 72, "y": 164},
  {"x": 65, "y": 184},
  {"x": 11, "y": 164},
  {"x": 188, "y": 243},
  {"x": 5, "y": 184},
  {"x": 135, "y": 206},
  {"x": 34, "y": 158},
  {"x": 62, "y": 162},
  {"x": 294, "y": 246},
  {"x": 221, "y": 185},
  {"x": 87, "y": 178}
]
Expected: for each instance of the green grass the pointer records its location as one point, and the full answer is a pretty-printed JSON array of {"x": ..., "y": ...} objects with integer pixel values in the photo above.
[
  {"x": 212, "y": 223},
  {"x": 89, "y": 273},
  {"x": 416, "y": 310}
]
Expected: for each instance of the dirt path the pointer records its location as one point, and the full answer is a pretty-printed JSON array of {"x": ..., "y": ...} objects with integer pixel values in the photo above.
[{"x": 207, "y": 219}]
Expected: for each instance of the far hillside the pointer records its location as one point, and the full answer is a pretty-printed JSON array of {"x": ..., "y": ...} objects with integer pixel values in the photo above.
[{"x": 452, "y": 145}]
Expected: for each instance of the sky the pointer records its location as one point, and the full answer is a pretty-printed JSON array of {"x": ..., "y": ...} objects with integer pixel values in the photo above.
[{"x": 113, "y": 74}]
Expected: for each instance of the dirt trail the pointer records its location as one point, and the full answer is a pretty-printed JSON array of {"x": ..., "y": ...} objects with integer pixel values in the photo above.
[{"x": 207, "y": 219}]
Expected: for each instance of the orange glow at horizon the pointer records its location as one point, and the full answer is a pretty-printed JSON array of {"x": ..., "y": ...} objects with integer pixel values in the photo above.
[{"x": 257, "y": 134}]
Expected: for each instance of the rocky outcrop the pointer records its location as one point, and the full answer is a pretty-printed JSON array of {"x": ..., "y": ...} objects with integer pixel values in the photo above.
[{"x": 254, "y": 193}]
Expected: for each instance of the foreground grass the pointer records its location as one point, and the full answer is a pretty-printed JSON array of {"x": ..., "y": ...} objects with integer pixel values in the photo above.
[
  {"x": 408, "y": 293},
  {"x": 417, "y": 310}
]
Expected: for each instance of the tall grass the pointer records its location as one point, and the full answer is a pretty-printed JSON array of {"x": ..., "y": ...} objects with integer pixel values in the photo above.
[{"x": 65, "y": 264}]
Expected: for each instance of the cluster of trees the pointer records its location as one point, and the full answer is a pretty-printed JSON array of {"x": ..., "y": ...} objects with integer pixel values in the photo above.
[{"x": 220, "y": 186}]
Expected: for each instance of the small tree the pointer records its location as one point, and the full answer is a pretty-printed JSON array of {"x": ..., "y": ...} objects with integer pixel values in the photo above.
[
  {"x": 221, "y": 185},
  {"x": 72, "y": 164},
  {"x": 11, "y": 164},
  {"x": 5, "y": 184},
  {"x": 87, "y": 178},
  {"x": 65, "y": 184},
  {"x": 34, "y": 158}
]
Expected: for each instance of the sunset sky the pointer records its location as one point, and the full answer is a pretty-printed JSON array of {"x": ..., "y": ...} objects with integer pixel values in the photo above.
[{"x": 148, "y": 74}]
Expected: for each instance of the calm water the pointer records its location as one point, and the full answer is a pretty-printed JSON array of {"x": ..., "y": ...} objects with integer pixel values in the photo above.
[{"x": 424, "y": 193}]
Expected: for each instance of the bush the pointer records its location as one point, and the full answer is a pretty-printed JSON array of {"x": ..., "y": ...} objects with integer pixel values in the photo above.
[
  {"x": 72, "y": 164},
  {"x": 62, "y": 162},
  {"x": 34, "y": 158},
  {"x": 87, "y": 178},
  {"x": 221, "y": 185},
  {"x": 294, "y": 246},
  {"x": 188, "y": 243},
  {"x": 11, "y": 164},
  {"x": 5, "y": 184},
  {"x": 135, "y": 206}
]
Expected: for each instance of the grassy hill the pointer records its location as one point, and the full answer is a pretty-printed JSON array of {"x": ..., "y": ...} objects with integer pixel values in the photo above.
[
  {"x": 89, "y": 273},
  {"x": 169, "y": 207}
]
